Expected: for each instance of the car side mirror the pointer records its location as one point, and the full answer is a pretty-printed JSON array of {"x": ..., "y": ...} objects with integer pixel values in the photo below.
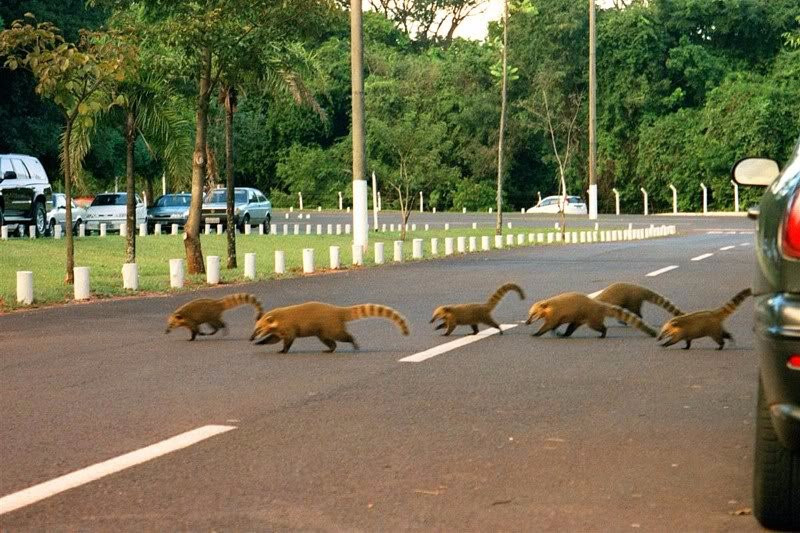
[
  {"x": 755, "y": 171},
  {"x": 9, "y": 175}
]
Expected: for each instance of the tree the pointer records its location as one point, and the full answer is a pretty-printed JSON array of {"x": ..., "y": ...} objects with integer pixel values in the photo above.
[
  {"x": 428, "y": 20},
  {"x": 81, "y": 78}
]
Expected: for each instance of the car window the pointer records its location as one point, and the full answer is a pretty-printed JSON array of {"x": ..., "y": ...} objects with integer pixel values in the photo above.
[
  {"x": 5, "y": 166},
  {"x": 20, "y": 169},
  {"x": 574, "y": 199},
  {"x": 110, "y": 199},
  {"x": 220, "y": 196},
  {"x": 261, "y": 198},
  {"x": 546, "y": 202},
  {"x": 37, "y": 172}
]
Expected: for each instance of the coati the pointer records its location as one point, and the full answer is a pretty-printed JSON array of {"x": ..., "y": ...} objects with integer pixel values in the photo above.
[
  {"x": 317, "y": 319},
  {"x": 707, "y": 323},
  {"x": 473, "y": 314},
  {"x": 631, "y": 297},
  {"x": 194, "y": 314},
  {"x": 577, "y": 309}
]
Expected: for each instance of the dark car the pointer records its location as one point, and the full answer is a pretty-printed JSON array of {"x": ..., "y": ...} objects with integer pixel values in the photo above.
[
  {"x": 169, "y": 209},
  {"x": 776, "y": 476},
  {"x": 25, "y": 192},
  {"x": 250, "y": 207}
]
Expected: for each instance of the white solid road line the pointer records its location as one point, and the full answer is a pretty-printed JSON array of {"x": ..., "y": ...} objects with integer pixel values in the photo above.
[
  {"x": 96, "y": 471},
  {"x": 452, "y": 345},
  {"x": 726, "y": 248},
  {"x": 655, "y": 273},
  {"x": 701, "y": 257}
]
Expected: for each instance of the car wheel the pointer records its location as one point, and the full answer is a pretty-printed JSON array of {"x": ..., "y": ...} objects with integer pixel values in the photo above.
[
  {"x": 267, "y": 224},
  {"x": 2, "y": 220},
  {"x": 52, "y": 230},
  {"x": 40, "y": 219},
  {"x": 245, "y": 222},
  {"x": 776, "y": 475}
]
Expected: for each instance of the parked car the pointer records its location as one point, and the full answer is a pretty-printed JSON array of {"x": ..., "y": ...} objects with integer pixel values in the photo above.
[
  {"x": 57, "y": 216},
  {"x": 25, "y": 192},
  {"x": 250, "y": 207},
  {"x": 111, "y": 209},
  {"x": 776, "y": 473},
  {"x": 169, "y": 209},
  {"x": 552, "y": 204}
]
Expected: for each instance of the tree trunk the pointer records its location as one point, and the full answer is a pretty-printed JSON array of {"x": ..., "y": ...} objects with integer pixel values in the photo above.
[
  {"x": 191, "y": 237},
  {"x": 230, "y": 96},
  {"x": 130, "y": 188},
  {"x": 501, "y": 142},
  {"x": 70, "y": 277}
]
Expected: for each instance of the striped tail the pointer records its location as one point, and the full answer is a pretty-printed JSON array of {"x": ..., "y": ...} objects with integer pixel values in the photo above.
[
  {"x": 661, "y": 301},
  {"x": 629, "y": 318},
  {"x": 242, "y": 298},
  {"x": 495, "y": 298},
  {"x": 728, "y": 309},
  {"x": 370, "y": 310}
]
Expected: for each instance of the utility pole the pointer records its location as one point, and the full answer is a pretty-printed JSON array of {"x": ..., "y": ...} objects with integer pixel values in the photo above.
[
  {"x": 592, "y": 114},
  {"x": 360, "y": 216},
  {"x": 501, "y": 142}
]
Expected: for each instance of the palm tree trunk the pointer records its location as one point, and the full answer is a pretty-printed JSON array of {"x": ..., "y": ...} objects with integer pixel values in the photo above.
[
  {"x": 70, "y": 277},
  {"x": 191, "y": 241},
  {"x": 501, "y": 142},
  {"x": 130, "y": 188},
  {"x": 229, "y": 108}
]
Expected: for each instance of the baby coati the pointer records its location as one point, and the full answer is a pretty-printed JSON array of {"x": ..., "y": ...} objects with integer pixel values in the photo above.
[
  {"x": 707, "y": 323},
  {"x": 577, "y": 309},
  {"x": 194, "y": 314},
  {"x": 631, "y": 297},
  {"x": 316, "y": 319},
  {"x": 473, "y": 314}
]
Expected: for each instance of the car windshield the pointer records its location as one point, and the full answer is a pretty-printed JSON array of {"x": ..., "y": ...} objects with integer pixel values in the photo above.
[
  {"x": 110, "y": 199},
  {"x": 574, "y": 199},
  {"x": 220, "y": 196},
  {"x": 174, "y": 201}
]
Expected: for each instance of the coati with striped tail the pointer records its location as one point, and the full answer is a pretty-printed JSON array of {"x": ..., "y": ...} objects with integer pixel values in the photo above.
[
  {"x": 194, "y": 314},
  {"x": 707, "y": 323},
  {"x": 316, "y": 319},
  {"x": 631, "y": 297},
  {"x": 473, "y": 314},
  {"x": 577, "y": 309}
]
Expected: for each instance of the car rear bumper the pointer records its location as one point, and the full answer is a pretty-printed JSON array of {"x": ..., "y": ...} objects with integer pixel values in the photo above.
[{"x": 778, "y": 336}]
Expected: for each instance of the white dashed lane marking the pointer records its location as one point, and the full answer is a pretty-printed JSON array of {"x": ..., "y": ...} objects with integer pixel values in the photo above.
[
  {"x": 452, "y": 345},
  {"x": 726, "y": 248},
  {"x": 745, "y": 244},
  {"x": 701, "y": 257},
  {"x": 660, "y": 271}
]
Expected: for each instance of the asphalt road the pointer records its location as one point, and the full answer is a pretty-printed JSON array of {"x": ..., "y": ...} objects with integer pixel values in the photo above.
[{"x": 509, "y": 432}]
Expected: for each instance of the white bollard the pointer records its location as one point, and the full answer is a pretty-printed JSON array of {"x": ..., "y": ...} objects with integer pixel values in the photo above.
[
  {"x": 463, "y": 209},
  {"x": 705, "y": 198},
  {"x": 103, "y": 230},
  {"x": 616, "y": 200},
  {"x": 261, "y": 229},
  {"x": 498, "y": 241},
  {"x": 250, "y": 265},
  {"x": 520, "y": 239},
  {"x": 82, "y": 289},
  {"x": 334, "y": 257},
  {"x": 427, "y": 227},
  {"x": 57, "y": 231},
  {"x": 434, "y": 246},
  {"x": 174, "y": 229},
  {"x": 319, "y": 208},
  {"x": 447, "y": 227},
  {"x": 379, "y": 253},
  {"x": 176, "y": 273},
  {"x": 82, "y": 231},
  {"x": 130, "y": 276},
  {"x": 358, "y": 254},
  {"x": 461, "y": 245},
  {"x": 347, "y": 229},
  {"x": 413, "y": 227},
  {"x": 473, "y": 244},
  {"x": 433, "y": 210},
  {"x": 522, "y": 211},
  {"x": 550, "y": 238},
  {"x": 220, "y": 231},
  {"x": 485, "y": 243},
  {"x": 531, "y": 238},
  {"x": 340, "y": 200},
  {"x": 296, "y": 229},
  {"x": 280, "y": 262},
  {"x": 308, "y": 229},
  {"x": 398, "y": 251},
  {"x": 448, "y": 246},
  {"x": 247, "y": 229},
  {"x": 25, "y": 287},
  {"x": 417, "y": 248},
  {"x": 510, "y": 225},
  {"x": 338, "y": 229},
  {"x": 735, "y": 196},
  {"x": 273, "y": 229},
  {"x": 509, "y": 240},
  {"x": 474, "y": 225},
  {"x": 330, "y": 229},
  {"x": 391, "y": 227},
  {"x": 32, "y": 231},
  {"x": 348, "y": 208},
  {"x": 674, "y": 199},
  {"x": 142, "y": 230},
  {"x": 208, "y": 229},
  {"x": 4, "y": 233},
  {"x": 539, "y": 238},
  {"x": 286, "y": 229},
  {"x": 644, "y": 200},
  {"x": 583, "y": 236},
  {"x": 383, "y": 228},
  {"x": 559, "y": 236},
  {"x": 156, "y": 230},
  {"x": 574, "y": 237},
  {"x": 123, "y": 229},
  {"x": 212, "y": 269},
  {"x": 490, "y": 210},
  {"x": 319, "y": 229},
  {"x": 308, "y": 260}
]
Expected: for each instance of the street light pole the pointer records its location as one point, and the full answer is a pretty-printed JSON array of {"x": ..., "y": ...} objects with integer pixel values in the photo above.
[
  {"x": 360, "y": 216},
  {"x": 592, "y": 114}
]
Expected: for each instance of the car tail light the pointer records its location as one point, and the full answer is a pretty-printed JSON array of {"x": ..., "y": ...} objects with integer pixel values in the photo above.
[
  {"x": 791, "y": 230},
  {"x": 794, "y": 362}
]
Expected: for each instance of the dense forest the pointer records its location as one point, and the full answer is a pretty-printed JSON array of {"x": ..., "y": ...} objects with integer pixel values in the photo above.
[{"x": 685, "y": 88}]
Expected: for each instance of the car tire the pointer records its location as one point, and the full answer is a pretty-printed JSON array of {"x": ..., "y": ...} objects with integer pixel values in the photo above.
[
  {"x": 40, "y": 219},
  {"x": 245, "y": 222},
  {"x": 776, "y": 475},
  {"x": 2, "y": 219},
  {"x": 267, "y": 224},
  {"x": 52, "y": 229}
]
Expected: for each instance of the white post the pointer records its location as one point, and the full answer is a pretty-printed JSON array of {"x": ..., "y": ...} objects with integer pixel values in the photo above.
[
  {"x": 616, "y": 200},
  {"x": 25, "y": 287},
  {"x": 379, "y": 253},
  {"x": 308, "y": 229},
  {"x": 433, "y": 210},
  {"x": 296, "y": 229},
  {"x": 398, "y": 251},
  {"x": 142, "y": 230},
  {"x": 421, "y": 202},
  {"x": 434, "y": 246},
  {"x": 103, "y": 230},
  {"x": 417, "y": 248},
  {"x": 593, "y": 201},
  {"x": 57, "y": 231},
  {"x": 360, "y": 215},
  {"x": 509, "y": 240},
  {"x": 461, "y": 245},
  {"x": 485, "y": 243},
  {"x": 81, "y": 283},
  {"x": 219, "y": 228},
  {"x": 705, "y": 198},
  {"x": 212, "y": 269},
  {"x": 340, "y": 201},
  {"x": 82, "y": 230},
  {"x": 300, "y": 200},
  {"x": 176, "y": 273},
  {"x": 427, "y": 227},
  {"x": 539, "y": 194},
  {"x": 280, "y": 262},
  {"x": 447, "y": 226},
  {"x": 347, "y": 229},
  {"x": 735, "y": 196},
  {"x": 473, "y": 243},
  {"x": 358, "y": 254},
  {"x": 157, "y": 229},
  {"x": 329, "y": 227},
  {"x": 448, "y": 246},
  {"x": 4, "y": 233},
  {"x": 273, "y": 229},
  {"x": 644, "y": 194},
  {"x": 674, "y": 199},
  {"x": 338, "y": 229},
  {"x": 319, "y": 229},
  {"x": 130, "y": 276},
  {"x": 474, "y": 225},
  {"x": 463, "y": 209},
  {"x": 498, "y": 241},
  {"x": 374, "y": 203},
  {"x": 175, "y": 229},
  {"x": 334, "y": 257},
  {"x": 510, "y": 225},
  {"x": 520, "y": 239},
  {"x": 250, "y": 265},
  {"x": 308, "y": 260}
]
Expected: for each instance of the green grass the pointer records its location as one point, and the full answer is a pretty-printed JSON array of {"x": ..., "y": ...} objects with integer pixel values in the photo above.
[{"x": 105, "y": 255}]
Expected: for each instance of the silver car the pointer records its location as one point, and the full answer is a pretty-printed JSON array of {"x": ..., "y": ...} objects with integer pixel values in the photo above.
[
  {"x": 110, "y": 209},
  {"x": 57, "y": 216},
  {"x": 250, "y": 207}
]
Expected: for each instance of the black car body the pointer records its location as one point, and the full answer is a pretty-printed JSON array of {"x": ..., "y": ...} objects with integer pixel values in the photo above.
[
  {"x": 776, "y": 289},
  {"x": 169, "y": 209},
  {"x": 25, "y": 193}
]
